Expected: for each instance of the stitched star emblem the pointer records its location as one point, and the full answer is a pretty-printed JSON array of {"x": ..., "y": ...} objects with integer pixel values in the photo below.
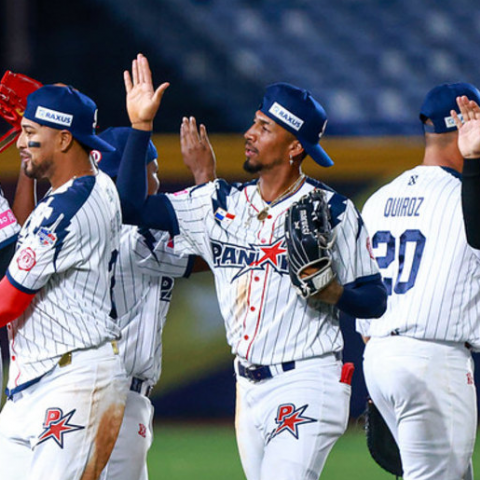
[
  {"x": 271, "y": 254},
  {"x": 289, "y": 418},
  {"x": 56, "y": 425}
]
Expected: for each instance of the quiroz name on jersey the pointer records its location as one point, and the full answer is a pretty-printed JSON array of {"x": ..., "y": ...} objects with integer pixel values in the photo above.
[{"x": 403, "y": 207}]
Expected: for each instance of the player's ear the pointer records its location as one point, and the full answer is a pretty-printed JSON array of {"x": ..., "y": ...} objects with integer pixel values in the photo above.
[
  {"x": 65, "y": 140},
  {"x": 296, "y": 149}
]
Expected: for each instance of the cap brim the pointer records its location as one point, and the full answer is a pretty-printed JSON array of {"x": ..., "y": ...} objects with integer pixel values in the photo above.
[
  {"x": 318, "y": 154},
  {"x": 94, "y": 142}
]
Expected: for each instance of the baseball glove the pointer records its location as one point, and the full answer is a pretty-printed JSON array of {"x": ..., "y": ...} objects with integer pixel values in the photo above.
[
  {"x": 380, "y": 442},
  {"x": 309, "y": 240},
  {"x": 14, "y": 90}
]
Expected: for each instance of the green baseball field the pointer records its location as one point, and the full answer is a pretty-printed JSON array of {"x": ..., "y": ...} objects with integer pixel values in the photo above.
[{"x": 208, "y": 452}]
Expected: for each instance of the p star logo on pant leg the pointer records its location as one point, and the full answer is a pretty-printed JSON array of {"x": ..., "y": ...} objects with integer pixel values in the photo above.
[
  {"x": 57, "y": 425},
  {"x": 289, "y": 418}
]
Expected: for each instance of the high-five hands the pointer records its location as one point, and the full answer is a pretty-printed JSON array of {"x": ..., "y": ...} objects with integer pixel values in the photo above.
[
  {"x": 469, "y": 129},
  {"x": 143, "y": 101},
  {"x": 197, "y": 151}
]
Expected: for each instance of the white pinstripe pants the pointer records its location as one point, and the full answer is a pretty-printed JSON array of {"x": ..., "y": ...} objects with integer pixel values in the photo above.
[
  {"x": 287, "y": 425},
  {"x": 425, "y": 392}
]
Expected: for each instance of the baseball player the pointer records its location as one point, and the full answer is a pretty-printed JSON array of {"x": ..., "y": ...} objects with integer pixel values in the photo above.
[
  {"x": 292, "y": 401},
  {"x": 144, "y": 279},
  {"x": 418, "y": 366},
  {"x": 67, "y": 384},
  {"x": 9, "y": 229},
  {"x": 14, "y": 89}
]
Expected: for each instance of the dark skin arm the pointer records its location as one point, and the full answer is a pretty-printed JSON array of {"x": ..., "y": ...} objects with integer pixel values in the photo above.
[
  {"x": 197, "y": 151},
  {"x": 25, "y": 197},
  {"x": 200, "y": 265},
  {"x": 330, "y": 294},
  {"x": 367, "y": 298}
]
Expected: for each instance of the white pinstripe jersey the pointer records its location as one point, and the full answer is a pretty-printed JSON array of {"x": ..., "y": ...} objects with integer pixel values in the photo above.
[
  {"x": 65, "y": 253},
  {"x": 144, "y": 281},
  {"x": 431, "y": 273},
  {"x": 266, "y": 321},
  {"x": 9, "y": 227}
]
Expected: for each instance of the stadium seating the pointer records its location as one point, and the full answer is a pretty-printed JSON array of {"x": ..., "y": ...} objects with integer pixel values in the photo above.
[{"x": 369, "y": 62}]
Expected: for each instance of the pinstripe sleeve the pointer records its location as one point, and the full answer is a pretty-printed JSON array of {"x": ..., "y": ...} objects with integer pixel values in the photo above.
[
  {"x": 36, "y": 259},
  {"x": 192, "y": 207},
  {"x": 362, "y": 325},
  {"x": 9, "y": 227},
  {"x": 353, "y": 257},
  {"x": 155, "y": 254},
  {"x": 52, "y": 237}
]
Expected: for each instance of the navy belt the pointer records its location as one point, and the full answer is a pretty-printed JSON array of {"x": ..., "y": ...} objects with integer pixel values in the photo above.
[
  {"x": 141, "y": 386},
  {"x": 10, "y": 393},
  {"x": 257, "y": 373}
]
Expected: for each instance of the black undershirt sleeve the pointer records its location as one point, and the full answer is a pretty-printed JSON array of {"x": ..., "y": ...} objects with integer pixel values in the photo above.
[
  {"x": 364, "y": 298},
  {"x": 139, "y": 208},
  {"x": 471, "y": 201}
]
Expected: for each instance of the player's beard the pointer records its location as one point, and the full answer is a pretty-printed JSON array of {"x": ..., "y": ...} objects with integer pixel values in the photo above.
[
  {"x": 37, "y": 171},
  {"x": 248, "y": 167}
]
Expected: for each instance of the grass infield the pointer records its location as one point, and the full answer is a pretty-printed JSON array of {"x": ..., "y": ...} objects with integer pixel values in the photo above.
[{"x": 209, "y": 452}]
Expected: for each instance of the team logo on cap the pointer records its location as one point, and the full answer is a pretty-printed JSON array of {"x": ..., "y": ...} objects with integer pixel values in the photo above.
[
  {"x": 450, "y": 122},
  {"x": 286, "y": 116},
  {"x": 53, "y": 116}
]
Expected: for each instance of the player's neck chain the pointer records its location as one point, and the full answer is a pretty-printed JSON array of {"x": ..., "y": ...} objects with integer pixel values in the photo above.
[{"x": 263, "y": 214}]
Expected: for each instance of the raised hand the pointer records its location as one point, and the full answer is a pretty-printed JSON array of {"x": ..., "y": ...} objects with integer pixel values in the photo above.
[
  {"x": 142, "y": 100},
  {"x": 197, "y": 152},
  {"x": 469, "y": 129}
]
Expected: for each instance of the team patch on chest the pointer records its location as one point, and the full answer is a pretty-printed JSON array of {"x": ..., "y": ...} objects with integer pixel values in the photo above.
[{"x": 253, "y": 257}]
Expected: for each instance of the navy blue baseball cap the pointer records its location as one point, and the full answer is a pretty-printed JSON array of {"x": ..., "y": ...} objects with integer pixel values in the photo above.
[
  {"x": 298, "y": 112},
  {"x": 440, "y": 101},
  {"x": 109, "y": 162},
  {"x": 64, "y": 108}
]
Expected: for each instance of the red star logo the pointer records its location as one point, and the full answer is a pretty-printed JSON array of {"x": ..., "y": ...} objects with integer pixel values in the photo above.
[
  {"x": 289, "y": 418},
  {"x": 270, "y": 254},
  {"x": 56, "y": 425}
]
